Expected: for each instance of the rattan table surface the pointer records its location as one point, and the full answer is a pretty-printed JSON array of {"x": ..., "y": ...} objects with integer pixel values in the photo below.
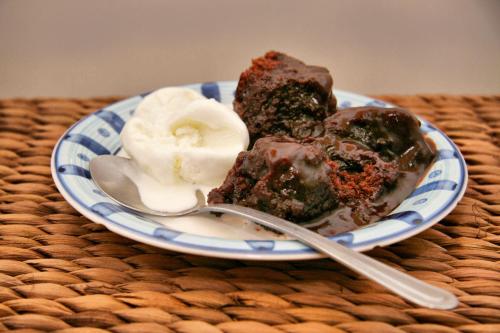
[{"x": 59, "y": 272}]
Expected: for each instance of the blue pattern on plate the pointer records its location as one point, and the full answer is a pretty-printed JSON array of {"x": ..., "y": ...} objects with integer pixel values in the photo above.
[
  {"x": 435, "y": 173},
  {"x": 420, "y": 201},
  {"x": 411, "y": 217},
  {"x": 88, "y": 143},
  {"x": 261, "y": 245},
  {"x": 71, "y": 155},
  {"x": 96, "y": 191},
  {"x": 104, "y": 132},
  {"x": 376, "y": 102},
  {"x": 105, "y": 209},
  {"x": 345, "y": 238},
  {"x": 83, "y": 157},
  {"x": 70, "y": 169},
  {"x": 166, "y": 233},
  {"x": 345, "y": 104},
  {"x": 434, "y": 186},
  {"x": 114, "y": 120},
  {"x": 445, "y": 154},
  {"x": 211, "y": 90}
]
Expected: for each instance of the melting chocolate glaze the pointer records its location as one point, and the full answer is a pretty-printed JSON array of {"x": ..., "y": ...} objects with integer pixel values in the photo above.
[
  {"x": 309, "y": 160},
  {"x": 280, "y": 95},
  {"x": 344, "y": 218},
  {"x": 363, "y": 166},
  {"x": 395, "y": 135}
]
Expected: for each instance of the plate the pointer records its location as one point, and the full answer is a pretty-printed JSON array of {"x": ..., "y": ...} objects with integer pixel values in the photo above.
[{"x": 97, "y": 134}]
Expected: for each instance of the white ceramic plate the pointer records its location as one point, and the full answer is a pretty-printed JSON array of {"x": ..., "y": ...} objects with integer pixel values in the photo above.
[{"x": 228, "y": 237}]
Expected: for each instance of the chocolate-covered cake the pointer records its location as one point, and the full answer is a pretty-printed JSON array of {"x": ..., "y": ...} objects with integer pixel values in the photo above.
[
  {"x": 392, "y": 132},
  {"x": 355, "y": 165},
  {"x": 280, "y": 95},
  {"x": 358, "y": 171},
  {"x": 280, "y": 176}
]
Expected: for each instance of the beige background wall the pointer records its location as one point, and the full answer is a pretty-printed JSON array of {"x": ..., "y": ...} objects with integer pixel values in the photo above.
[{"x": 102, "y": 47}]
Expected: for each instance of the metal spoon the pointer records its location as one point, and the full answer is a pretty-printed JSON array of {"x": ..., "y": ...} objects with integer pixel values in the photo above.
[{"x": 107, "y": 173}]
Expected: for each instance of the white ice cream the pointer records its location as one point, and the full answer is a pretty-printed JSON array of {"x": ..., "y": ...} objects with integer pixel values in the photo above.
[{"x": 180, "y": 142}]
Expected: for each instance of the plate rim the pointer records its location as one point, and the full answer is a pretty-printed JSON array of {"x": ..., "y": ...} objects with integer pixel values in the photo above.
[{"x": 302, "y": 254}]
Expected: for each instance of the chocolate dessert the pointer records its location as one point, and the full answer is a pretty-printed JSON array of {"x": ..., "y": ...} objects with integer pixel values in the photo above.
[
  {"x": 378, "y": 155},
  {"x": 358, "y": 171},
  {"x": 359, "y": 175},
  {"x": 309, "y": 161},
  {"x": 280, "y": 95},
  {"x": 280, "y": 176},
  {"x": 391, "y": 132}
]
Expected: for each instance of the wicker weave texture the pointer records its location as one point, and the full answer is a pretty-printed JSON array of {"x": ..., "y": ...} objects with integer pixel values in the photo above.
[{"x": 59, "y": 272}]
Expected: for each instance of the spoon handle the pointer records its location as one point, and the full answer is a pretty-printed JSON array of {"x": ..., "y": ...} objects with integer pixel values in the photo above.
[{"x": 398, "y": 282}]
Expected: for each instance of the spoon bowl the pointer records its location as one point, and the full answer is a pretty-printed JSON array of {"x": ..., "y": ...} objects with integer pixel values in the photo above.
[{"x": 108, "y": 173}]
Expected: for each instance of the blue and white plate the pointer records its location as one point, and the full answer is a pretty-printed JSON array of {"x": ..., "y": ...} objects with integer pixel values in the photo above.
[{"x": 227, "y": 237}]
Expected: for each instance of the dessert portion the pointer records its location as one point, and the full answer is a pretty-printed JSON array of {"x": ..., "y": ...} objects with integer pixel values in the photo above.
[
  {"x": 280, "y": 95},
  {"x": 181, "y": 141},
  {"x": 355, "y": 175},
  {"x": 280, "y": 176},
  {"x": 309, "y": 160},
  {"x": 392, "y": 132},
  {"x": 378, "y": 157},
  {"x": 359, "y": 175}
]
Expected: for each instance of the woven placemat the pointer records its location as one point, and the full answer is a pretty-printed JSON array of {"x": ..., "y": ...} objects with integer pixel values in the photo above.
[{"x": 61, "y": 272}]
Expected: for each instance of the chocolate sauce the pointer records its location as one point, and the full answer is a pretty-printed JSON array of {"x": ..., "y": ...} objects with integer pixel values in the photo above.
[
  {"x": 363, "y": 165},
  {"x": 343, "y": 219}
]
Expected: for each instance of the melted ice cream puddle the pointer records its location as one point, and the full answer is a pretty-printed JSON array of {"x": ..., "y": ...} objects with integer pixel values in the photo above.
[
  {"x": 157, "y": 196},
  {"x": 206, "y": 224},
  {"x": 179, "y": 142}
]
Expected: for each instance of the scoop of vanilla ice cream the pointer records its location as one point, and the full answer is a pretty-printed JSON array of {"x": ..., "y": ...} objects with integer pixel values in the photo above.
[
  {"x": 156, "y": 106},
  {"x": 178, "y": 136}
]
